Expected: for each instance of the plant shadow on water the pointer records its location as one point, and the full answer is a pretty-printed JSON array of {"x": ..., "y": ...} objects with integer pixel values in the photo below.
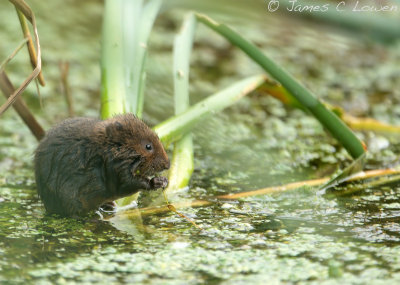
[{"x": 292, "y": 237}]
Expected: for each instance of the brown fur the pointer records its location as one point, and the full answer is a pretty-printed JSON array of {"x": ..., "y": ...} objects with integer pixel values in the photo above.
[{"x": 84, "y": 162}]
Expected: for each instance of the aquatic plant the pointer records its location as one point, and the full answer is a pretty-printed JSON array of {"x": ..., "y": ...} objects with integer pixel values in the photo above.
[{"x": 126, "y": 29}]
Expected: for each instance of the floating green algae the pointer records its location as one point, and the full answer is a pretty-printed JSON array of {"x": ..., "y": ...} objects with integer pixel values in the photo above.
[{"x": 294, "y": 237}]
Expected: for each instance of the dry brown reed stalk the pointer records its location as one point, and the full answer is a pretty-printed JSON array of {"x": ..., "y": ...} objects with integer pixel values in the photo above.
[
  {"x": 20, "y": 106},
  {"x": 27, "y": 12},
  {"x": 31, "y": 48},
  {"x": 13, "y": 54},
  {"x": 269, "y": 190},
  {"x": 64, "y": 69}
]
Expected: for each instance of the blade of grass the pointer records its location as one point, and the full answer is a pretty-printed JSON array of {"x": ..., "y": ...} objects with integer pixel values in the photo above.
[
  {"x": 148, "y": 16},
  {"x": 182, "y": 160},
  {"x": 138, "y": 21},
  {"x": 182, "y": 164},
  {"x": 113, "y": 92},
  {"x": 175, "y": 127},
  {"x": 126, "y": 29},
  {"x": 328, "y": 119}
]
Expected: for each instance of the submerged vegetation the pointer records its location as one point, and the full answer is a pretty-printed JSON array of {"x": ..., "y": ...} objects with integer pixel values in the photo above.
[{"x": 258, "y": 166}]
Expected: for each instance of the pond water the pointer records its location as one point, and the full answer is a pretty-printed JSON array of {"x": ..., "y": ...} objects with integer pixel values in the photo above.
[{"x": 296, "y": 236}]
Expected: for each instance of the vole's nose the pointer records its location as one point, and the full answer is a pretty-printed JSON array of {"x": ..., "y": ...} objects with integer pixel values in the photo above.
[{"x": 167, "y": 164}]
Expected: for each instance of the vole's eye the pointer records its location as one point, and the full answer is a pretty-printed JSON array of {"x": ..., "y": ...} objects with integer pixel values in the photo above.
[{"x": 149, "y": 146}]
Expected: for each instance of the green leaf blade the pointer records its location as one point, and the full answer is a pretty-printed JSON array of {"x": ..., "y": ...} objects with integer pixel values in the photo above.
[{"x": 327, "y": 118}]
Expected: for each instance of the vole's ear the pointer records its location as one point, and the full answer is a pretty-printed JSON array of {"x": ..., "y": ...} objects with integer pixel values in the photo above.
[{"x": 112, "y": 129}]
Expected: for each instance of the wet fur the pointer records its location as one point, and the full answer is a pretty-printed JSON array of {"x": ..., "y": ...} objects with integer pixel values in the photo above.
[{"x": 84, "y": 162}]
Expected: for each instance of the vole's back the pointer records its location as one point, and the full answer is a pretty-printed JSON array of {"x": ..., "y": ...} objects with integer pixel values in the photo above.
[{"x": 59, "y": 162}]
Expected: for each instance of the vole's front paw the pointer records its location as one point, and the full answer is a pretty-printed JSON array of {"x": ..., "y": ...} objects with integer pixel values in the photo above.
[
  {"x": 158, "y": 182},
  {"x": 109, "y": 207}
]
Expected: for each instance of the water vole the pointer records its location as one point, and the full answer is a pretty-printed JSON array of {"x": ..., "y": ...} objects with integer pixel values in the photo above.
[{"x": 83, "y": 163}]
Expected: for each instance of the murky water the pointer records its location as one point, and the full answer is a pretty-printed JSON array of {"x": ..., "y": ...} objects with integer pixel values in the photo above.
[{"x": 294, "y": 237}]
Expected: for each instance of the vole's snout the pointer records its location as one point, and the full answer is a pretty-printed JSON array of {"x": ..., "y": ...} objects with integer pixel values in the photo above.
[
  {"x": 161, "y": 165},
  {"x": 166, "y": 164}
]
